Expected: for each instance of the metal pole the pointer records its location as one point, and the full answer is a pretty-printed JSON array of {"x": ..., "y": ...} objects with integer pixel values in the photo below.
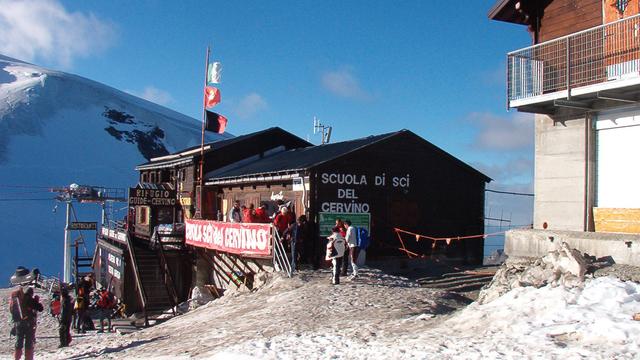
[
  {"x": 568, "y": 68},
  {"x": 198, "y": 214},
  {"x": 67, "y": 247}
]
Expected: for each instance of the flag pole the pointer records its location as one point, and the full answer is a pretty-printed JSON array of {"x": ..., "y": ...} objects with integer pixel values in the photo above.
[{"x": 204, "y": 119}]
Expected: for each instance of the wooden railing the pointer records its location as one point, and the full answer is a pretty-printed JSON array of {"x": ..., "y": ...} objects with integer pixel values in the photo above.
[
  {"x": 167, "y": 278},
  {"x": 136, "y": 274}
]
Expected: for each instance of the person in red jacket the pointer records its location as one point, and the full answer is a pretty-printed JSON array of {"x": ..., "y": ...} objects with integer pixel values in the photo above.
[
  {"x": 261, "y": 214},
  {"x": 249, "y": 214},
  {"x": 283, "y": 220},
  {"x": 106, "y": 303}
]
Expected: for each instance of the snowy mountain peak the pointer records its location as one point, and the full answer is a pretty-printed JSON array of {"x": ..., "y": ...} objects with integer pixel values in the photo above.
[{"x": 56, "y": 129}]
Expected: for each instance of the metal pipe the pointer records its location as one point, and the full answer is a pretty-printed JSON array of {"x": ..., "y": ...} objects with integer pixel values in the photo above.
[
  {"x": 568, "y": 71},
  {"x": 67, "y": 247}
]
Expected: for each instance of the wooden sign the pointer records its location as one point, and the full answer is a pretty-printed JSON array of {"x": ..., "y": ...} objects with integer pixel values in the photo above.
[
  {"x": 250, "y": 240},
  {"x": 152, "y": 197},
  {"x": 83, "y": 225}
]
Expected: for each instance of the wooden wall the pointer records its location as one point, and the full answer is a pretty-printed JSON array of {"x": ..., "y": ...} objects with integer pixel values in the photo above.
[
  {"x": 564, "y": 17},
  {"x": 441, "y": 199}
]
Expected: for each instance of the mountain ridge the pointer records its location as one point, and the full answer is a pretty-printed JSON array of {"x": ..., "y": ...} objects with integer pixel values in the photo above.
[{"x": 58, "y": 128}]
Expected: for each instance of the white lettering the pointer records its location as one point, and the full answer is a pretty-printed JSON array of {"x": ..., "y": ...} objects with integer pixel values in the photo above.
[
  {"x": 352, "y": 207},
  {"x": 344, "y": 179}
]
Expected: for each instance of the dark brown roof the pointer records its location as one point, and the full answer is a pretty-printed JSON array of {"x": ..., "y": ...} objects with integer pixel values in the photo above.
[
  {"x": 505, "y": 10},
  {"x": 306, "y": 158}
]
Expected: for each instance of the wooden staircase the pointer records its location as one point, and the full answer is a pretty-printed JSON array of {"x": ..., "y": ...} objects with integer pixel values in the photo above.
[
  {"x": 152, "y": 278},
  {"x": 156, "y": 289}
]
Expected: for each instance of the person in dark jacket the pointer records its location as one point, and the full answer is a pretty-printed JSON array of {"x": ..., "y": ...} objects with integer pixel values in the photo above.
[
  {"x": 26, "y": 327},
  {"x": 66, "y": 314}
]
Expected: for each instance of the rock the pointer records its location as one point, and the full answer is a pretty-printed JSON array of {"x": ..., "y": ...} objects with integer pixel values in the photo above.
[
  {"x": 563, "y": 267},
  {"x": 199, "y": 296}
]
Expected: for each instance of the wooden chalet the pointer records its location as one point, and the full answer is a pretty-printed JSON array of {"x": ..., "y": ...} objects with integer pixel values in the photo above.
[{"x": 144, "y": 257}]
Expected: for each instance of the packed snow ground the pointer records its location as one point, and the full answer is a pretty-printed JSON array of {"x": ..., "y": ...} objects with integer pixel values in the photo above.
[{"x": 385, "y": 317}]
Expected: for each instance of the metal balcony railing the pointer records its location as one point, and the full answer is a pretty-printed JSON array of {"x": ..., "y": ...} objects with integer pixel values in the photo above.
[{"x": 597, "y": 55}]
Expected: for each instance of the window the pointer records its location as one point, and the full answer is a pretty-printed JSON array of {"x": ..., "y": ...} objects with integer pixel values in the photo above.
[
  {"x": 165, "y": 215},
  {"x": 142, "y": 215},
  {"x": 143, "y": 177},
  {"x": 152, "y": 177}
]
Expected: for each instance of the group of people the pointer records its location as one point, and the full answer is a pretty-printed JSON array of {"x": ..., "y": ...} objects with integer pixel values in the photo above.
[
  {"x": 24, "y": 307},
  {"x": 343, "y": 241},
  {"x": 293, "y": 231},
  {"x": 244, "y": 214}
]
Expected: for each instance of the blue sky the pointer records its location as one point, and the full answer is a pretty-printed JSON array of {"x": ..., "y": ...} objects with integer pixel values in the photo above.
[{"x": 364, "y": 67}]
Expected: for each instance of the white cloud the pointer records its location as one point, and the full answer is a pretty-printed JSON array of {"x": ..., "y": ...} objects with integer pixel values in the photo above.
[
  {"x": 250, "y": 105},
  {"x": 154, "y": 95},
  {"x": 44, "y": 30},
  {"x": 344, "y": 84},
  {"x": 514, "y": 132}
]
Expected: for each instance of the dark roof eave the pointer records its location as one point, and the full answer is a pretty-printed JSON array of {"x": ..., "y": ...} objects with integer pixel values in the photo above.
[
  {"x": 263, "y": 176},
  {"x": 504, "y": 10},
  {"x": 165, "y": 163}
]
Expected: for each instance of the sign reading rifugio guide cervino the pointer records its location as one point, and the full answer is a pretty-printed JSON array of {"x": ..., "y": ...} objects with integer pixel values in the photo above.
[{"x": 152, "y": 197}]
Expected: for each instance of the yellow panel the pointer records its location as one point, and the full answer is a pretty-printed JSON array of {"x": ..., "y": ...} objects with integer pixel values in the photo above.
[{"x": 617, "y": 220}]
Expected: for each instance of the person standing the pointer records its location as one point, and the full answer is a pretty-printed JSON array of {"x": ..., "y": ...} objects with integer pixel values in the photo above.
[
  {"x": 26, "y": 312},
  {"x": 66, "y": 313},
  {"x": 354, "y": 251},
  {"x": 235, "y": 214},
  {"x": 261, "y": 214},
  {"x": 249, "y": 214},
  {"x": 106, "y": 303},
  {"x": 297, "y": 233},
  {"x": 15, "y": 308},
  {"x": 84, "y": 321},
  {"x": 335, "y": 253},
  {"x": 282, "y": 221}
]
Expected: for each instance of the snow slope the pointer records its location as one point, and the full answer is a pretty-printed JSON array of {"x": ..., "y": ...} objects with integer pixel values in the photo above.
[
  {"x": 57, "y": 129},
  {"x": 384, "y": 317}
]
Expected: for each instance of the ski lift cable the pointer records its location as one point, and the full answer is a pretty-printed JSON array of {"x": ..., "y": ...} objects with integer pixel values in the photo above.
[
  {"x": 509, "y": 192},
  {"x": 25, "y": 186},
  {"x": 49, "y": 199}
]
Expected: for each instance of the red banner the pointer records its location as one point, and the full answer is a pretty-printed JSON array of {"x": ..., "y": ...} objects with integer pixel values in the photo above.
[{"x": 251, "y": 240}]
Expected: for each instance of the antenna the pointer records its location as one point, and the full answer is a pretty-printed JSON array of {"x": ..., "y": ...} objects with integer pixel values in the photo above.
[{"x": 325, "y": 130}]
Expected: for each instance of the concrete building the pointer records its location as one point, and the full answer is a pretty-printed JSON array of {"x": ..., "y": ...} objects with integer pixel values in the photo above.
[{"x": 581, "y": 77}]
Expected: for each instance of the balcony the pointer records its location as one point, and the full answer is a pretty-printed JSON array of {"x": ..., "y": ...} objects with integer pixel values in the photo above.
[{"x": 595, "y": 69}]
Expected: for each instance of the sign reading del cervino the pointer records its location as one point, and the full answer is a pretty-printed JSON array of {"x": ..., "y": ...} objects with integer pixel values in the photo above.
[
  {"x": 83, "y": 225},
  {"x": 148, "y": 197}
]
